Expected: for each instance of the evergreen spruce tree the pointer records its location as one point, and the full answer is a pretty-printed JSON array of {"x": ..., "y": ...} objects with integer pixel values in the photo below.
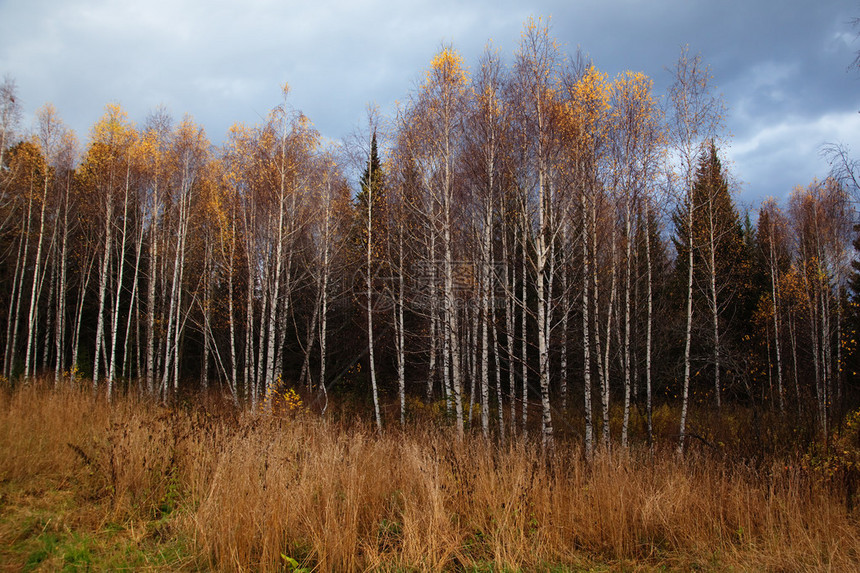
[
  {"x": 371, "y": 183},
  {"x": 722, "y": 268}
]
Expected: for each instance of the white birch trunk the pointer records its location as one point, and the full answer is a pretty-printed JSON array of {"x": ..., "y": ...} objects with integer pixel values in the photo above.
[
  {"x": 524, "y": 342},
  {"x": 649, "y": 322},
  {"x": 20, "y": 273},
  {"x": 689, "y": 328},
  {"x": 134, "y": 304},
  {"x": 103, "y": 280},
  {"x": 324, "y": 315},
  {"x": 120, "y": 270},
  {"x": 774, "y": 291},
  {"x": 586, "y": 337},
  {"x": 369, "y": 286},
  {"x": 485, "y": 314},
  {"x": 714, "y": 302},
  {"x": 542, "y": 329},
  {"x": 151, "y": 288},
  {"x": 628, "y": 227},
  {"x": 62, "y": 298},
  {"x": 400, "y": 324},
  {"x": 231, "y": 319},
  {"x": 613, "y": 293},
  {"x": 34, "y": 291}
]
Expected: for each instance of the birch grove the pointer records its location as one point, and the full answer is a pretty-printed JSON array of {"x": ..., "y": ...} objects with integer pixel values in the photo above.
[{"x": 526, "y": 249}]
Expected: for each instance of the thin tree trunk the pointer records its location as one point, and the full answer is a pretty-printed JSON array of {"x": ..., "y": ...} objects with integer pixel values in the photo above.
[
  {"x": 273, "y": 299},
  {"x": 324, "y": 314},
  {"x": 305, "y": 373},
  {"x": 565, "y": 308},
  {"x": 715, "y": 308},
  {"x": 827, "y": 353},
  {"x": 793, "y": 337},
  {"x": 11, "y": 323},
  {"x": 524, "y": 341},
  {"x": 250, "y": 384},
  {"x": 50, "y": 261},
  {"x": 138, "y": 341},
  {"x": 179, "y": 325},
  {"x": 543, "y": 293},
  {"x": 446, "y": 362},
  {"x": 400, "y": 325},
  {"x": 689, "y": 328},
  {"x": 207, "y": 313},
  {"x": 497, "y": 357},
  {"x": 168, "y": 343},
  {"x": 586, "y": 338},
  {"x": 485, "y": 315},
  {"x": 627, "y": 295},
  {"x": 121, "y": 261},
  {"x": 613, "y": 293},
  {"x": 452, "y": 337},
  {"x": 648, "y": 327},
  {"x": 234, "y": 366},
  {"x": 472, "y": 314},
  {"x": 259, "y": 371},
  {"x": 60, "y": 338},
  {"x": 79, "y": 313},
  {"x": 774, "y": 291},
  {"x": 151, "y": 287},
  {"x": 510, "y": 320},
  {"x": 434, "y": 317},
  {"x": 134, "y": 304},
  {"x": 171, "y": 346},
  {"x": 20, "y": 273},
  {"x": 103, "y": 280},
  {"x": 37, "y": 280},
  {"x": 812, "y": 304},
  {"x": 369, "y": 286},
  {"x": 601, "y": 370}
]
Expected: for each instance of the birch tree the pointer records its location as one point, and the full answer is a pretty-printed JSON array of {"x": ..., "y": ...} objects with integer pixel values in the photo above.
[
  {"x": 106, "y": 173},
  {"x": 488, "y": 137},
  {"x": 65, "y": 217},
  {"x": 772, "y": 241},
  {"x": 634, "y": 143},
  {"x": 821, "y": 217},
  {"x": 24, "y": 173},
  {"x": 585, "y": 122},
  {"x": 695, "y": 117},
  {"x": 188, "y": 156},
  {"x": 293, "y": 138},
  {"x": 538, "y": 67},
  {"x": 442, "y": 102}
]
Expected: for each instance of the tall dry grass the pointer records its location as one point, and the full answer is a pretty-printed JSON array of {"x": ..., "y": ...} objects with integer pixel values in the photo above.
[{"x": 255, "y": 490}]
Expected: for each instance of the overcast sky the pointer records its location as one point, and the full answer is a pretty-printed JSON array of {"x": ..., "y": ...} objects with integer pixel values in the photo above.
[{"x": 781, "y": 65}]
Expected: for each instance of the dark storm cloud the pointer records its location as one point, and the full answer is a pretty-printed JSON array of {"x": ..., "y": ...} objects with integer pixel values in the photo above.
[{"x": 782, "y": 66}]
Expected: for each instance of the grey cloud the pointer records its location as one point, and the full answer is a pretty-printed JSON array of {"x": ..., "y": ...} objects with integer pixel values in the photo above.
[{"x": 781, "y": 65}]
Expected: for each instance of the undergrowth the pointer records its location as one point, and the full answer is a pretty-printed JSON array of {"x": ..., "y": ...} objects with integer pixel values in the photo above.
[{"x": 199, "y": 486}]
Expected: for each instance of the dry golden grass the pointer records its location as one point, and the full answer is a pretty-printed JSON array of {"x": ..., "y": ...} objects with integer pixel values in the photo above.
[{"x": 253, "y": 491}]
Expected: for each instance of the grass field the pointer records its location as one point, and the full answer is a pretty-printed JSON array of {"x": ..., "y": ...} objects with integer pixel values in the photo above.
[{"x": 134, "y": 485}]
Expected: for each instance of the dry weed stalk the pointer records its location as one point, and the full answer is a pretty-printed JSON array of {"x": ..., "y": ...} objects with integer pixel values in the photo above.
[{"x": 255, "y": 491}]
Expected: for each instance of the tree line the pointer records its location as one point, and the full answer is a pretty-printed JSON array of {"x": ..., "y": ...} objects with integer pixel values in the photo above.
[{"x": 525, "y": 245}]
